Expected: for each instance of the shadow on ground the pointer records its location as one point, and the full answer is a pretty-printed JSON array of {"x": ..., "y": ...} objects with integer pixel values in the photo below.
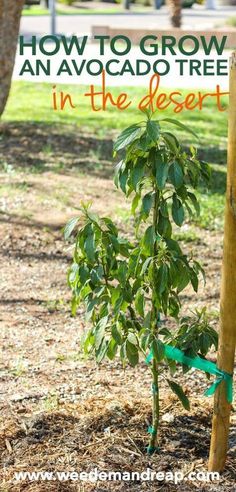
[{"x": 40, "y": 148}]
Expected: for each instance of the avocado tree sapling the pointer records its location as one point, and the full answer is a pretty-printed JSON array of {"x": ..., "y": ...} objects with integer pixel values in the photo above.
[{"x": 128, "y": 285}]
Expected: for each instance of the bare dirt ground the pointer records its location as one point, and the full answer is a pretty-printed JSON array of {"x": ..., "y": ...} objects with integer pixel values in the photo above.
[{"x": 59, "y": 411}]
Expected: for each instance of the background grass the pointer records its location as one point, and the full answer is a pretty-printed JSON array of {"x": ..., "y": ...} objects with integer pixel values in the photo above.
[
  {"x": 36, "y": 10},
  {"x": 39, "y": 11},
  {"x": 32, "y": 103}
]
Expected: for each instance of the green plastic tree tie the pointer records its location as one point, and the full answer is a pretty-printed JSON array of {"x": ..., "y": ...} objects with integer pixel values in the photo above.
[
  {"x": 202, "y": 365},
  {"x": 152, "y": 431},
  {"x": 152, "y": 449}
]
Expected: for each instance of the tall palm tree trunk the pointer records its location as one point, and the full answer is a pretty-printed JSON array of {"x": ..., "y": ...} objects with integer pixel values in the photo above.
[
  {"x": 10, "y": 14},
  {"x": 175, "y": 7}
]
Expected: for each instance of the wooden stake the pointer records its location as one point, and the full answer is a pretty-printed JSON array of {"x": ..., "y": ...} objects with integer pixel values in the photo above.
[{"x": 227, "y": 336}]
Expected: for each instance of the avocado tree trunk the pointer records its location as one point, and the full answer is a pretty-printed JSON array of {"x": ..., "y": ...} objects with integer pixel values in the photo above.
[
  {"x": 10, "y": 14},
  {"x": 226, "y": 351},
  {"x": 175, "y": 7}
]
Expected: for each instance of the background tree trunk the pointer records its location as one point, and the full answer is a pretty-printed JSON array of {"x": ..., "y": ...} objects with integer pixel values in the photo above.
[
  {"x": 10, "y": 14},
  {"x": 157, "y": 4},
  {"x": 45, "y": 4},
  {"x": 175, "y": 7},
  {"x": 126, "y": 4}
]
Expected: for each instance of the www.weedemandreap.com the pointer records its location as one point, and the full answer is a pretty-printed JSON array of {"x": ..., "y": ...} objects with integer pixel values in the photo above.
[{"x": 96, "y": 475}]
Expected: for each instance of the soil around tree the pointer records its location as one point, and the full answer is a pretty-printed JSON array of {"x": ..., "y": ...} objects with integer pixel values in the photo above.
[{"x": 59, "y": 411}]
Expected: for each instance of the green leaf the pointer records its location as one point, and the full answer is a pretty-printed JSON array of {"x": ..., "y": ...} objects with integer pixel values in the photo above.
[
  {"x": 135, "y": 202},
  {"x": 161, "y": 172},
  {"x": 125, "y": 246},
  {"x": 137, "y": 174},
  {"x": 147, "y": 203},
  {"x": 195, "y": 202},
  {"x": 70, "y": 227},
  {"x": 123, "y": 352},
  {"x": 132, "y": 338},
  {"x": 123, "y": 180},
  {"x": 176, "y": 175},
  {"x": 122, "y": 272},
  {"x": 164, "y": 226},
  {"x": 148, "y": 240},
  {"x": 174, "y": 306},
  {"x": 115, "y": 294},
  {"x": 180, "y": 125},
  {"x": 73, "y": 273},
  {"x": 182, "y": 193},
  {"x": 171, "y": 141},
  {"x": 84, "y": 291},
  {"x": 89, "y": 246},
  {"x": 111, "y": 349},
  {"x": 146, "y": 265},
  {"x": 127, "y": 137},
  {"x": 118, "y": 169},
  {"x": 139, "y": 303},
  {"x": 144, "y": 142},
  {"x": 99, "y": 331},
  {"x": 145, "y": 340},
  {"x": 101, "y": 351},
  {"x": 110, "y": 225},
  {"x": 172, "y": 366},
  {"x": 194, "y": 279},
  {"x": 92, "y": 217},
  {"x": 115, "y": 243},
  {"x": 153, "y": 130},
  {"x": 83, "y": 273},
  {"x": 158, "y": 350},
  {"x": 173, "y": 246},
  {"x": 164, "y": 208},
  {"x": 181, "y": 279},
  {"x": 162, "y": 278},
  {"x": 165, "y": 332},
  {"x": 180, "y": 393},
  {"x": 74, "y": 305},
  {"x": 177, "y": 211},
  {"x": 116, "y": 334},
  {"x": 97, "y": 274},
  {"x": 132, "y": 353},
  {"x": 87, "y": 341},
  {"x": 90, "y": 308}
]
